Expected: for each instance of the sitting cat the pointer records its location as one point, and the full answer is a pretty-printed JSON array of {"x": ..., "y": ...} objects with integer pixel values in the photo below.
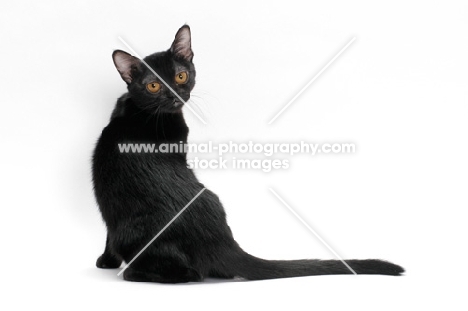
[{"x": 139, "y": 193}]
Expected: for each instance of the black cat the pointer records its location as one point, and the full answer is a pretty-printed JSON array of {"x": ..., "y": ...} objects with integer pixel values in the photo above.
[{"x": 139, "y": 193}]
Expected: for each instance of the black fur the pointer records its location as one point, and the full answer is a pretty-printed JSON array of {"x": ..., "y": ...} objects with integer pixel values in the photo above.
[{"x": 138, "y": 194}]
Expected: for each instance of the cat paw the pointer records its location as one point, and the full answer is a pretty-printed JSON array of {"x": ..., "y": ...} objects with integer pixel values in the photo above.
[
  {"x": 106, "y": 261},
  {"x": 139, "y": 276},
  {"x": 192, "y": 275}
]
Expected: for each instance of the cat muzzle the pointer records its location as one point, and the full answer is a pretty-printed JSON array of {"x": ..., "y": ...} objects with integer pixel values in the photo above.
[{"x": 177, "y": 104}]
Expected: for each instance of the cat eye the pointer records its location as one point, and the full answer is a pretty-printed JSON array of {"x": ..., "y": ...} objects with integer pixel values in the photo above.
[
  {"x": 181, "y": 77},
  {"x": 153, "y": 87}
]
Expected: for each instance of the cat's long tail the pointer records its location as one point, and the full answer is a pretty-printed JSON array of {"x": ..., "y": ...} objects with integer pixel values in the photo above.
[{"x": 244, "y": 265}]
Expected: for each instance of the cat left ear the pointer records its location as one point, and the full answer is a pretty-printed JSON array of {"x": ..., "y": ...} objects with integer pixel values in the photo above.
[
  {"x": 126, "y": 65},
  {"x": 182, "y": 45}
]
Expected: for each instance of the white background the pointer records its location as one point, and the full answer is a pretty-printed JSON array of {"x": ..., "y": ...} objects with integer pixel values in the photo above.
[{"x": 399, "y": 93}]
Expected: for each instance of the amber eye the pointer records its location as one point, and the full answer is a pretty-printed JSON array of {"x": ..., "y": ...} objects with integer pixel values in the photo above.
[
  {"x": 181, "y": 77},
  {"x": 153, "y": 87}
]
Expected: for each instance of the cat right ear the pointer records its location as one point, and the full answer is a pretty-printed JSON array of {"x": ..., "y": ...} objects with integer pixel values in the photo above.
[
  {"x": 182, "y": 45},
  {"x": 126, "y": 65}
]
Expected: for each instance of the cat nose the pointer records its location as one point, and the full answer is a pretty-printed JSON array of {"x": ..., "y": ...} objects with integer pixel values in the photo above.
[{"x": 177, "y": 103}]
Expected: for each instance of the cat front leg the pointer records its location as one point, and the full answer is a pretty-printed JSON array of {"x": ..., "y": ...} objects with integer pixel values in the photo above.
[{"x": 108, "y": 260}]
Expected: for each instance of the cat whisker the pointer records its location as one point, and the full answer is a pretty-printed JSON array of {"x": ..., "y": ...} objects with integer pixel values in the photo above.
[{"x": 195, "y": 105}]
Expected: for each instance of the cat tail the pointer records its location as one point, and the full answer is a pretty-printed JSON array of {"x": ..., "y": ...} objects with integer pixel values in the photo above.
[{"x": 249, "y": 267}]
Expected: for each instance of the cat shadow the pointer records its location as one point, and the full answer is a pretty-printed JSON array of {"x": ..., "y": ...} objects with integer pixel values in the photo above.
[
  {"x": 104, "y": 275},
  {"x": 110, "y": 275}
]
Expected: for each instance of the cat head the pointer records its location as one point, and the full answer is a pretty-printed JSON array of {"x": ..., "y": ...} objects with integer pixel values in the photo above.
[{"x": 174, "y": 66}]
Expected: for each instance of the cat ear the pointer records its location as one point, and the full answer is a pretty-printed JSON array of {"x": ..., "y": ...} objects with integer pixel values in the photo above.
[
  {"x": 126, "y": 64},
  {"x": 182, "y": 45}
]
